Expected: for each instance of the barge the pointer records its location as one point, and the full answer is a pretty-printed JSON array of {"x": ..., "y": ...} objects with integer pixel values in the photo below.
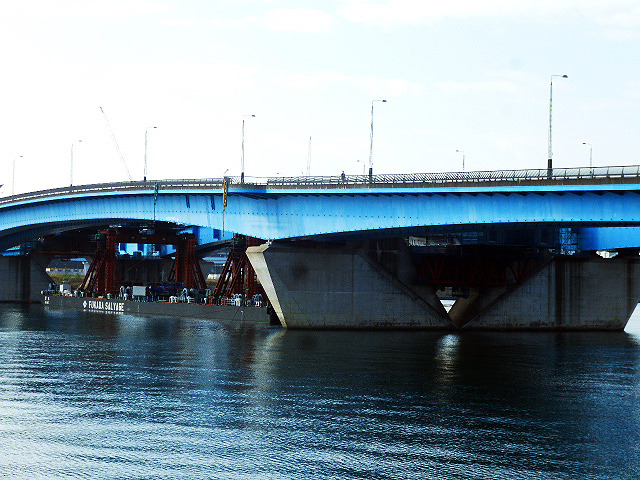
[
  {"x": 171, "y": 309},
  {"x": 119, "y": 284}
]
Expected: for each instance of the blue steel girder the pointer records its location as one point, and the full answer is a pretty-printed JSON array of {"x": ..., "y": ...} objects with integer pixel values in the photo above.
[
  {"x": 335, "y": 212},
  {"x": 272, "y": 214}
]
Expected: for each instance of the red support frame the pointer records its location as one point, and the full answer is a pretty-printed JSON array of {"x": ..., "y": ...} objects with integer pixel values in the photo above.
[
  {"x": 238, "y": 275},
  {"x": 102, "y": 277},
  {"x": 186, "y": 268}
]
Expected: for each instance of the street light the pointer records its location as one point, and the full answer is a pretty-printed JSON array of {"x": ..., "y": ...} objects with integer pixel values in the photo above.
[
  {"x": 242, "y": 159},
  {"x": 71, "y": 164},
  {"x": 550, "y": 162},
  {"x": 462, "y": 152},
  {"x": 309, "y": 158},
  {"x": 13, "y": 175},
  {"x": 371, "y": 141},
  {"x": 146, "y": 131},
  {"x": 590, "y": 153}
]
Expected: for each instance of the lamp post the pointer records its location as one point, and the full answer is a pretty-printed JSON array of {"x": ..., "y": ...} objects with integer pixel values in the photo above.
[
  {"x": 590, "y": 154},
  {"x": 242, "y": 159},
  {"x": 309, "y": 158},
  {"x": 550, "y": 162},
  {"x": 371, "y": 141},
  {"x": 146, "y": 131},
  {"x": 13, "y": 175},
  {"x": 71, "y": 164},
  {"x": 462, "y": 152}
]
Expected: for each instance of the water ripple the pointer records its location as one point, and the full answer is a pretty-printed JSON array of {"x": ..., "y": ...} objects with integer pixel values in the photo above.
[{"x": 99, "y": 396}]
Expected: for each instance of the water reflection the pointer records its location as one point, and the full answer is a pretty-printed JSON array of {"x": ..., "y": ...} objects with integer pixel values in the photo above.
[{"x": 139, "y": 397}]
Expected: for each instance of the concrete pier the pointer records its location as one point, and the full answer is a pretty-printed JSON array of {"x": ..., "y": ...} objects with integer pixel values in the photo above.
[
  {"x": 143, "y": 271},
  {"x": 342, "y": 288},
  {"x": 23, "y": 278},
  {"x": 566, "y": 293}
]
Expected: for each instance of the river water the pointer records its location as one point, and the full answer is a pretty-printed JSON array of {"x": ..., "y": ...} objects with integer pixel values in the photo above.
[{"x": 116, "y": 396}]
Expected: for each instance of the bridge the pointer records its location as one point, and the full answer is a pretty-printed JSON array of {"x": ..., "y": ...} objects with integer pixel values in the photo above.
[{"x": 516, "y": 249}]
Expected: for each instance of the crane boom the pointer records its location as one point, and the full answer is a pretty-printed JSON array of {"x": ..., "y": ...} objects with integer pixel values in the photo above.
[{"x": 115, "y": 143}]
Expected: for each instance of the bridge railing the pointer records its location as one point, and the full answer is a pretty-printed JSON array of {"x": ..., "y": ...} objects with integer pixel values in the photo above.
[
  {"x": 609, "y": 174},
  {"x": 117, "y": 187},
  {"x": 556, "y": 175}
]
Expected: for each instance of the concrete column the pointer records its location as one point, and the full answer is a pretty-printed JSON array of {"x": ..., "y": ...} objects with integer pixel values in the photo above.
[
  {"x": 566, "y": 293},
  {"x": 341, "y": 288},
  {"x": 23, "y": 277},
  {"x": 143, "y": 271}
]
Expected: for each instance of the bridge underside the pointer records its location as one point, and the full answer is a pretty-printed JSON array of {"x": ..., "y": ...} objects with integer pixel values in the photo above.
[
  {"x": 388, "y": 284},
  {"x": 505, "y": 280},
  {"x": 501, "y": 278}
]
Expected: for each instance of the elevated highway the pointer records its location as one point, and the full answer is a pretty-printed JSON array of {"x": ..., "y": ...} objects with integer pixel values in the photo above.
[{"x": 336, "y": 207}]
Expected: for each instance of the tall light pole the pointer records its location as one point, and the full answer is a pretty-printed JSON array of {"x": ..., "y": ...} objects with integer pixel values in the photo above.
[
  {"x": 13, "y": 175},
  {"x": 309, "y": 159},
  {"x": 590, "y": 153},
  {"x": 550, "y": 162},
  {"x": 242, "y": 159},
  {"x": 71, "y": 164},
  {"x": 462, "y": 152},
  {"x": 146, "y": 131},
  {"x": 371, "y": 141}
]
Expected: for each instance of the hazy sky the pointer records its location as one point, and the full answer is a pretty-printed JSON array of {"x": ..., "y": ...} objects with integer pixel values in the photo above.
[{"x": 468, "y": 75}]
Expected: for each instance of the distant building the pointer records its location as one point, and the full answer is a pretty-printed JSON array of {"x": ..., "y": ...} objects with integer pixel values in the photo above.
[{"x": 59, "y": 266}]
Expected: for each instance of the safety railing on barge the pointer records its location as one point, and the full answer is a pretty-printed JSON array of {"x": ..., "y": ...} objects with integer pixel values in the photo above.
[{"x": 610, "y": 174}]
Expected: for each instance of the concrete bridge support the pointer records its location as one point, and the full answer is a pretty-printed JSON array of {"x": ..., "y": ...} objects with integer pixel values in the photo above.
[
  {"x": 23, "y": 277},
  {"x": 341, "y": 288},
  {"x": 565, "y": 293},
  {"x": 143, "y": 271}
]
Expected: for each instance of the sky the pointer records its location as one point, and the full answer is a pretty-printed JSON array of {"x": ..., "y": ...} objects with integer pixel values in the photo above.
[{"x": 468, "y": 76}]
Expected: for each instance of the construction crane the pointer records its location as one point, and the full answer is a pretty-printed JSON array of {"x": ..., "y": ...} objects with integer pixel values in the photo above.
[{"x": 115, "y": 143}]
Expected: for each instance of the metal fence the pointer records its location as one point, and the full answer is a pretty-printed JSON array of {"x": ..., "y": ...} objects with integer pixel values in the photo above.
[
  {"x": 556, "y": 175},
  {"x": 560, "y": 176}
]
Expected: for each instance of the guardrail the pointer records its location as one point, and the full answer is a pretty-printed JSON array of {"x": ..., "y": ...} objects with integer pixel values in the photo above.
[
  {"x": 556, "y": 175},
  {"x": 116, "y": 187},
  {"x": 547, "y": 176}
]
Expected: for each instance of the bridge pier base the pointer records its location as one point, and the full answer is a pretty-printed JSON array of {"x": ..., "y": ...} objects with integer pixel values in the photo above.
[
  {"x": 344, "y": 289},
  {"x": 565, "y": 293},
  {"x": 341, "y": 289},
  {"x": 23, "y": 277}
]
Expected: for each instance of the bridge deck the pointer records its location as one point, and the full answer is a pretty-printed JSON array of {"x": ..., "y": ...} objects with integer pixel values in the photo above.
[{"x": 596, "y": 176}]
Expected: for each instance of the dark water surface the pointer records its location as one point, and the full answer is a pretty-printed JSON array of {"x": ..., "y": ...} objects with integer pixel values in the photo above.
[{"x": 102, "y": 396}]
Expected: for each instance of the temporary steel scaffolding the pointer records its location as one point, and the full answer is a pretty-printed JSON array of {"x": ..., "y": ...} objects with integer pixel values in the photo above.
[{"x": 102, "y": 276}]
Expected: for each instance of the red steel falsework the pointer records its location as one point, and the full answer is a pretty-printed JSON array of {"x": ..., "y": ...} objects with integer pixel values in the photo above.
[
  {"x": 102, "y": 277},
  {"x": 238, "y": 276},
  {"x": 186, "y": 268}
]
